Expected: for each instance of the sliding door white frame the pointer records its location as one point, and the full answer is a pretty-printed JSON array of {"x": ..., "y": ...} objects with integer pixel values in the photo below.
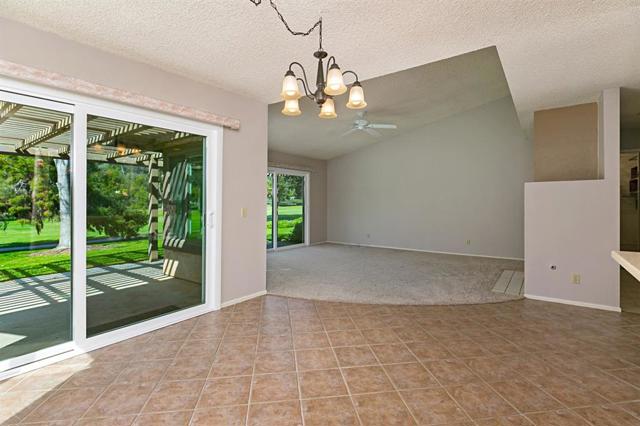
[
  {"x": 81, "y": 106},
  {"x": 58, "y": 349},
  {"x": 306, "y": 209}
]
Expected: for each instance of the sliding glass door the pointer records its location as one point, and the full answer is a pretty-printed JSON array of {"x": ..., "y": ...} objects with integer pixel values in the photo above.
[
  {"x": 108, "y": 223},
  {"x": 35, "y": 225},
  {"x": 287, "y": 218},
  {"x": 145, "y": 216}
]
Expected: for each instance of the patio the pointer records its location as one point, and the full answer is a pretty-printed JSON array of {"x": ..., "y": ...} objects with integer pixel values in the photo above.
[{"x": 35, "y": 311}]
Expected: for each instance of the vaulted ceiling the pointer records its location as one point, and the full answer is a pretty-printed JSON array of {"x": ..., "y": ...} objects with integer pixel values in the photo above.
[
  {"x": 553, "y": 52},
  {"x": 410, "y": 99}
]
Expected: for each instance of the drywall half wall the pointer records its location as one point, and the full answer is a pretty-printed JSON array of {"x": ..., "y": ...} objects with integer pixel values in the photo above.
[
  {"x": 245, "y": 150},
  {"x": 455, "y": 181},
  {"x": 572, "y": 227},
  {"x": 317, "y": 189},
  {"x": 565, "y": 143}
]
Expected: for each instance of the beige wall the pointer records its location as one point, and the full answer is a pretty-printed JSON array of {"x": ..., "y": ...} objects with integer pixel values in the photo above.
[
  {"x": 566, "y": 143},
  {"x": 317, "y": 190},
  {"x": 575, "y": 226},
  {"x": 455, "y": 185},
  {"x": 245, "y": 151}
]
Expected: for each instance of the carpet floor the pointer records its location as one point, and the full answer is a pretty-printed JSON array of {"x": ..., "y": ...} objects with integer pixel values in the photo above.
[{"x": 333, "y": 272}]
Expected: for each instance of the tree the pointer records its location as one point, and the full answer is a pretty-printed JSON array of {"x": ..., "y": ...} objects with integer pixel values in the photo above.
[
  {"x": 290, "y": 189},
  {"x": 116, "y": 199},
  {"x": 26, "y": 194},
  {"x": 64, "y": 195}
]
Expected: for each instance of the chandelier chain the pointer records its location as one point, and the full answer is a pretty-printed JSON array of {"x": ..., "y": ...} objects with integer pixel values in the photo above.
[{"x": 317, "y": 25}]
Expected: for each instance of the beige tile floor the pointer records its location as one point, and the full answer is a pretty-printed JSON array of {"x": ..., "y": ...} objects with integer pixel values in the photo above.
[{"x": 279, "y": 361}]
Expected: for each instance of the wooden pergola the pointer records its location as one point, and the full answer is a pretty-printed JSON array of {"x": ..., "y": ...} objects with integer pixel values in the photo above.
[{"x": 33, "y": 131}]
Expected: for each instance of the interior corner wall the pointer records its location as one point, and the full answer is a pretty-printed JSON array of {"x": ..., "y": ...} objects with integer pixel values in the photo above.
[
  {"x": 575, "y": 225},
  {"x": 244, "y": 151},
  {"x": 461, "y": 178},
  {"x": 317, "y": 189}
]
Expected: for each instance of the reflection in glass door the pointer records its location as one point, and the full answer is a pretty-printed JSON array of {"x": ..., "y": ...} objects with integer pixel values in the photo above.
[
  {"x": 35, "y": 227},
  {"x": 145, "y": 222},
  {"x": 286, "y": 208}
]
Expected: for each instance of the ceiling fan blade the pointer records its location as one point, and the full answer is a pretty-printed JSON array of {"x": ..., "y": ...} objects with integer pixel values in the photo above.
[
  {"x": 348, "y": 132},
  {"x": 372, "y": 132},
  {"x": 382, "y": 126}
]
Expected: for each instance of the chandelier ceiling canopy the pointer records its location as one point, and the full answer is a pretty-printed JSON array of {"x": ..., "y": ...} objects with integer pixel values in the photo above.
[{"x": 330, "y": 81}]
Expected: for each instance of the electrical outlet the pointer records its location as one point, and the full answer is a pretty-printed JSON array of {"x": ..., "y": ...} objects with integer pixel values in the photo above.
[
  {"x": 576, "y": 278},
  {"x": 368, "y": 235},
  {"x": 243, "y": 212},
  {"x": 468, "y": 242}
]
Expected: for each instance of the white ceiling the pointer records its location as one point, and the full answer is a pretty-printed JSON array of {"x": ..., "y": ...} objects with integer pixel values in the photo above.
[
  {"x": 410, "y": 99},
  {"x": 553, "y": 52}
]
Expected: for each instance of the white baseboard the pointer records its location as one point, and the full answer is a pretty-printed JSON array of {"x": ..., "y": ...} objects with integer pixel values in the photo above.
[
  {"x": 574, "y": 303},
  {"x": 424, "y": 251},
  {"x": 243, "y": 298}
]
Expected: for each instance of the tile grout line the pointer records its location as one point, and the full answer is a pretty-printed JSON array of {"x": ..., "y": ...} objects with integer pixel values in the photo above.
[
  {"x": 255, "y": 358},
  {"x": 159, "y": 382},
  {"x": 110, "y": 384},
  {"x": 226, "y": 326},
  {"x": 523, "y": 414},
  {"x": 295, "y": 360},
  {"x": 455, "y": 401},
  {"x": 344, "y": 380},
  {"x": 415, "y": 419}
]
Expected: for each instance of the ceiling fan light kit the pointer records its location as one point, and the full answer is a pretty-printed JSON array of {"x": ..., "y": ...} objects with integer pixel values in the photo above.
[{"x": 329, "y": 81}]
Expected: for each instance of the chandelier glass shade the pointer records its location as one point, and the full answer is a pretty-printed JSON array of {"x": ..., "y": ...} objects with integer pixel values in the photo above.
[
  {"x": 328, "y": 109},
  {"x": 290, "y": 89},
  {"x": 356, "y": 97},
  {"x": 291, "y": 108},
  {"x": 335, "y": 82}
]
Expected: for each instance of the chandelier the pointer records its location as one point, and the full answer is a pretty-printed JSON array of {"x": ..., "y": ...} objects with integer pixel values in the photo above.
[{"x": 330, "y": 81}]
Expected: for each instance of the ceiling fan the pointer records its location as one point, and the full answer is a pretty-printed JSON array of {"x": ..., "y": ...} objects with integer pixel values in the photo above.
[{"x": 362, "y": 124}]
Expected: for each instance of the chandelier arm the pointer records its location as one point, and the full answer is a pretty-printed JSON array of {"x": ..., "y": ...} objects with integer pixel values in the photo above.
[
  {"x": 304, "y": 73},
  {"x": 331, "y": 58},
  {"x": 351, "y": 72},
  {"x": 304, "y": 86}
]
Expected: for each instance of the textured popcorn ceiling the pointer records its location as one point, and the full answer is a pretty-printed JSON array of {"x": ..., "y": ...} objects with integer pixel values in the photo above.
[{"x": 554, "y": 52}]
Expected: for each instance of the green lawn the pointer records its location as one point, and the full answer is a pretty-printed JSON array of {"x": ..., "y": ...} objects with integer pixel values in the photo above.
[
  {"x": 27, "y": 263},
  {"x": 288, "y": 217},
  {"x": 17, "y": 234},
  {"x": 24, "y": 264}
]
